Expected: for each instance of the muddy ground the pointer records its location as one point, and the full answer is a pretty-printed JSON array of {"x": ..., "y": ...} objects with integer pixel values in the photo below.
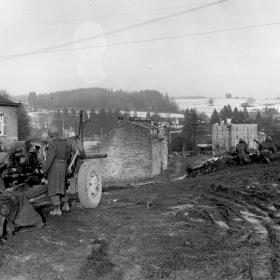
[{"x": 217, "y": 226}]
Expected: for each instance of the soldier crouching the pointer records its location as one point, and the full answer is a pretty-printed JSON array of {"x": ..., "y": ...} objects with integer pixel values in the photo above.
[{"x": 55, "y": 167}]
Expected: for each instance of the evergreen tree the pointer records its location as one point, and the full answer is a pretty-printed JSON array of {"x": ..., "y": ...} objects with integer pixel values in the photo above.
[
  {"x": 241, "y": 117},
  {"x": 246, "y": 115},
  {"x": 235, "y": 116},
  {"x": 259, "y": 119},
  {"x": 226, "y": 113},
  {"x": 190, "y": 129},
  {"x": 215, "y": 117}
]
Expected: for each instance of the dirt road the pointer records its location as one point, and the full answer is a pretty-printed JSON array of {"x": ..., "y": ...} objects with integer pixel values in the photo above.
[{"x": 217, "y": 226}]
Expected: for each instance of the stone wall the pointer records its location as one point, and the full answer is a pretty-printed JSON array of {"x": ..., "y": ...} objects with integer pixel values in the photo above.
[
  {"x": 226, "y": 137},
  {"x": 133, "y": 154},
  {"x": 246, "y": 131},
  {"x": 220, "y": 138},
  {"x": 159, "y": 152}
]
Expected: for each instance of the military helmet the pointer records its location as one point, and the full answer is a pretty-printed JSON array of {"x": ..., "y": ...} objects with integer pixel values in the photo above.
[
  {"x": 241, "y": 140},
  {"x": 268, "y": 138}
]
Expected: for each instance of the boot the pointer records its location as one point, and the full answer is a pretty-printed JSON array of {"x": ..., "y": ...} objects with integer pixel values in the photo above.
[
  {"x": 56, "y": 211},
  {"x": 65, "y": 206}
]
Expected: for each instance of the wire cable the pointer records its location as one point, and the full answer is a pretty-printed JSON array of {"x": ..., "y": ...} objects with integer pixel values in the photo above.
[
  {"x": 115, "y": 31},
  {"x": 66, "y": 21},
  {"x": 187, "y": 35}
]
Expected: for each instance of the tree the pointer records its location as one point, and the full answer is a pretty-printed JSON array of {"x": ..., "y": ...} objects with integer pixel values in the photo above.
[
  {"x": 226, "y": 113},
  {"x": 191, "y": 123},
  {"x": 235, "y": 116},
  {"x": 24, "y": 126},
  {"x": 259, "y": 119},
  {"x": 246, "y": 115},
  {"x": 215, "y": 117},
  {"x": 32, "y": 100},
  {"x": 5, "y": 94}
]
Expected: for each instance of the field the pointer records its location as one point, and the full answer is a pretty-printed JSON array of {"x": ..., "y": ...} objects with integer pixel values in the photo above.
[
  {"x": 217, "y": 226},
  {"x": 202, "y": 104}
]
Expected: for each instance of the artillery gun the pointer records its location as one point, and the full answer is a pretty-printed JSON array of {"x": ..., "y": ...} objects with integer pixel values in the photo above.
[{"x": 18, "y": 168}]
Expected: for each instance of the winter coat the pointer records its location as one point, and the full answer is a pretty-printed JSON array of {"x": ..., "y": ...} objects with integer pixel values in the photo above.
[
  {"x": 55, "y": 165},
  {"x": 242, "y": 150},
  {"x": 267, "y": 148}
]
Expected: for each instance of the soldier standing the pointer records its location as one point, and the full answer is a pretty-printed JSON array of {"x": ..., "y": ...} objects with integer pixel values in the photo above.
[
  {"x": 55, "y": 167},
  {"x": 242, "y": 151},
  {"x": 267, "y": 149}
]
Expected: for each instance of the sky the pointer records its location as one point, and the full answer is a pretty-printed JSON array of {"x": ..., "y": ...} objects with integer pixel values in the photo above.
[{"x": 53, "y": 45}]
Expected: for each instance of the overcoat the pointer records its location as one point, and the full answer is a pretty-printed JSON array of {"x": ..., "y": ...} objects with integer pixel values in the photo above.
[
  {"x": 242, "y": 150},
  {"x": 55, "y": 165}
]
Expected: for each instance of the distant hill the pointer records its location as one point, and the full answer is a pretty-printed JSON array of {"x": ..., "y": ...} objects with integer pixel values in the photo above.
[
  {"x": 190, "y": 97},
  {"x": 86, "y": 98}
]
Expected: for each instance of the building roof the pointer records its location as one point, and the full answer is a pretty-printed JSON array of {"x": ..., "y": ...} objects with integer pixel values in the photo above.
[
  {"x": 6, "y": 102},
  {"x": 139, "y": 124},
  {"x": 144, "y": 125}
]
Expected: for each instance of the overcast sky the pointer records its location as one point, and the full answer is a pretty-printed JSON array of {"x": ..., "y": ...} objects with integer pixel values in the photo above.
[{"x": 244, "y": 62}]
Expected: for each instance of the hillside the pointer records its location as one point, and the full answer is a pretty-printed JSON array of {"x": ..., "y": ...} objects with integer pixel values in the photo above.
[
  {"x": 147, "y": 100},
  {"x": 216, "y": 227}
]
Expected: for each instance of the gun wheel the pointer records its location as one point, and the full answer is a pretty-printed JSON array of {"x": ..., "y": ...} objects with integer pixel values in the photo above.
[{"x": 89, "y": 184}]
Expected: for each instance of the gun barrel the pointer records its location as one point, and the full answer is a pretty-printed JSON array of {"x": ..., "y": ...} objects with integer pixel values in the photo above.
[{"x": 93, "y": 156}]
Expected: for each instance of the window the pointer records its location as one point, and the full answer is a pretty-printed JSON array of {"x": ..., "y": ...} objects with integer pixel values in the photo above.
[{"x": 3, "y": 126}]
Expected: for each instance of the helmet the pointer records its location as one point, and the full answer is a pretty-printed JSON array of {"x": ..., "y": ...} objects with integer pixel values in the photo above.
[
  {"x": 268, "y": 138},
  {"x": 28, "y": 143},
  {"x": 241, "y": 140}
]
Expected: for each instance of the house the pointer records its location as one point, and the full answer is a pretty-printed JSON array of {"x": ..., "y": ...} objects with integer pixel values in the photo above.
[
  {"x": 8, "y": 120},
  {"x": 136, "y": 150},
  {"x": 225, "y": 137}
]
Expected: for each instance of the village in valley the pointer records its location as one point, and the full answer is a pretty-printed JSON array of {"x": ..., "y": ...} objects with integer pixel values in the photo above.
[
  {"x": 139, "y": 140},
  {"x": 174, "y": 173}
]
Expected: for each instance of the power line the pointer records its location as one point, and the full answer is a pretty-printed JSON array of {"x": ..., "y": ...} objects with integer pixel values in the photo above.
[
  {"x": 240, "y": 28},
  {"x": 115, "y": 31},
  {"x": 66, "y": 21}
]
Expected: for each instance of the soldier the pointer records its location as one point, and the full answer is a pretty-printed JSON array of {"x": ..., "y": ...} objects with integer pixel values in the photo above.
[
  {"x": 267, "y": 150},
  {"x": 55, "y": 167},
  {"x": 242, "y": 151}
]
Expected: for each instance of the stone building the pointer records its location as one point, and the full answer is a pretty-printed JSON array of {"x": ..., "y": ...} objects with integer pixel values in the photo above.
[
  {"x": 135, "y": 151},
  {"x": 225, "y": 137},
  {"x": 8, "y": 120}
]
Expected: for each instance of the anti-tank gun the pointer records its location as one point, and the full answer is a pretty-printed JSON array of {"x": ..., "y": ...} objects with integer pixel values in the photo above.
[{"x": 19, "y": 167}]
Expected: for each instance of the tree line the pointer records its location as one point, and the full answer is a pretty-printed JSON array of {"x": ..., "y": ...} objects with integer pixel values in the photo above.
[
  {"x": 146, "y": 100},
  {"x": 95, "y": 123}
]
